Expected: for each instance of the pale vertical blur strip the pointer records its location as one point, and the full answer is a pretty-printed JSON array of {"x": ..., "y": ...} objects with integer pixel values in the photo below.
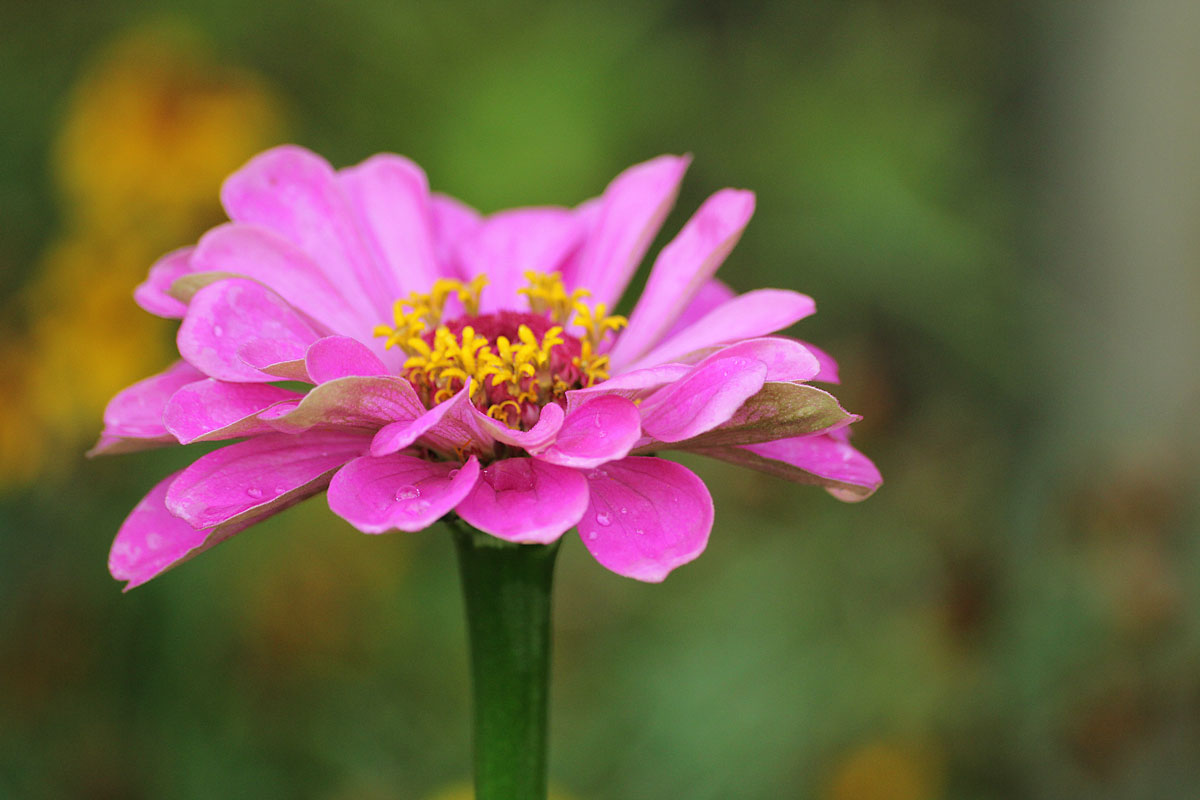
[{"x": 1122, "y": 219}]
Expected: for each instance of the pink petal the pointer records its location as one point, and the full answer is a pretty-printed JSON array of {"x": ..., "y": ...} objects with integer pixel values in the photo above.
[
  {"x": 703, "y": 400},
  {"x": 152, "y": 294},
  {"x": 133, "y": 419},
  {"x": 510, "y": 243},
  {"x": 263, "y": 255},
  {"x": 229, "y": 314},
  {"x": 645, "y": 517},
  {"x": 241, "y": 480},
  {"x": 396, "y": 436},
  {"x": 208, "y": 410},
  {"x": 279, "y": 358},
  {"x": 630, "y": 385},
  {"x": 828, "y": 373},
  {"x": 152, "y": 540},
  {"x": 296, "y": 194},
  {"x": 452, "y": 221},
  {"x": 526, "y": 501},
  {"x": 712, "y": 294},
  {"x": 541, "y": 434},
  {"x": 756, "y": 313},
  {"x": 456, "y": 428},
  {"x": 399, "y": 492},
  {"x": 340, "y": 357},
  {"x": 631, "y": 211},
  {"x": 601, "y": 430},
  {"x": 785, "y": 359},
  {"x": 366, "y": 403},
  {"x": 780, "y": 410},
  {"x": 390, "y": 196},
  {"x": 683, "y": 266},
  {"x": 824, "y": 459},
  {"x": 829, "y": 456}
]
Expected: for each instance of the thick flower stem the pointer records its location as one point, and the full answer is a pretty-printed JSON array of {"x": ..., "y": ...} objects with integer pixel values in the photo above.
[{"x": 507, "y": 593}]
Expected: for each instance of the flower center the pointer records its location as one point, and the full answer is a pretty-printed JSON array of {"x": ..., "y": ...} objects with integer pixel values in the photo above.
[{"x": 515, "y": 361}]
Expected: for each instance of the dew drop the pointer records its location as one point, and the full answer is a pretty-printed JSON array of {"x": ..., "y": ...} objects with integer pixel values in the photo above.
[
  {"x": 452, "y": 474},
  {"x": 218, "y": 330},
  {"x": 596, "y": 474},
  {"x": 255, "y": 492},
  {"x": 624, "y": 510},
  {"x": 280, "y": 489},
  {"x": 593, "y": 535},
  {"x": 602, "y": 518},
  {"x": 596, "y": 419},
  {"x": 408, "y": 493},
  {"x": 638, "y": 531}
]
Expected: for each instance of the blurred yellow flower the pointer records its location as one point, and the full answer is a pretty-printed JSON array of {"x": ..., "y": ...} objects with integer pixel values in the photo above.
[
  {"x": 886, "y": 771},
  {"x": 86, "y": 336},
  {"x": 152, "y": 131}
]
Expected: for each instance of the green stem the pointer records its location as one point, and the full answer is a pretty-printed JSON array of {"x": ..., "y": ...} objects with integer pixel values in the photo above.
[{"x": 507, "y": 592}]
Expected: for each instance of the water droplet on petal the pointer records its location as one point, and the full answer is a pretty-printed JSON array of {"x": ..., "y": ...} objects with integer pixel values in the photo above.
[
  {"x": 280, "y": 489},
  {"x": 597, "y": 421},
  {"x": 593, "y": 535},
  {"x": 452, "y": 474},
  {"x": 596, "y": 474},
  {"x": 638, "y": 531},
  {"x": 602, "y": 518},
  {"x": 407, "y": 493},
  {"x": 624, "y": 510},
  {"x": 218, "y": 330},
  {"x": 254, "y": 492}
]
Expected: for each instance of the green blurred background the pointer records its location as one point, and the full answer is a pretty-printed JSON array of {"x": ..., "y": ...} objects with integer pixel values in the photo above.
[{"x": 997, "y": 207}]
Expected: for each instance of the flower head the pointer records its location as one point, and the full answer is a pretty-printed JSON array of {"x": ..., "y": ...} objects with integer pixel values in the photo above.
[{"x": 470, "y": 365}]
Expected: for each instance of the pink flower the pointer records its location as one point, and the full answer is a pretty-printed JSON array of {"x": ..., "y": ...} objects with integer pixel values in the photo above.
[{"x": 467, "y": 364}]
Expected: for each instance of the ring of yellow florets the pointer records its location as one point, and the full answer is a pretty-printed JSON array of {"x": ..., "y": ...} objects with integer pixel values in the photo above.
[{"x": 516, "y": 362}]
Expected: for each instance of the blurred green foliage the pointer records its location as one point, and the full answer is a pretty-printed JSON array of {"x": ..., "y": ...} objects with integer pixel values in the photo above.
[{"x": 1007, "y": 618}]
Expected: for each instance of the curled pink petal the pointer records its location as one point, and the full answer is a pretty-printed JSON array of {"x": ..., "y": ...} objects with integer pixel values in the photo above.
[
  {"x": 525, "y": 500},
  {"x": 630, "y": 213},
  {"x": 390, "y": 196},
  {"x": 749, "y": 315},
  {"x": 225, "y": 316},
  {"x": 601, "y": 430},
  {"x": 209, "y": 409},
  {"x": 541, "y": 434},
  {"x": 133, "y": 419},
  {"x": 244, "y": 478},
  {"x": 340, "y": 357},
  {"x": 399, "y": 492},
  {"x": 153, "y": 294},
  {"x": 645, "y": 517},
  {"x": 703, "y": 400},
  {"x": 683, "y": 266}
]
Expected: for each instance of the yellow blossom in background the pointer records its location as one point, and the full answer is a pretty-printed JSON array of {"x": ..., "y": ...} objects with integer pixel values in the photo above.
[
  {"x": 150, "y": 131},
  {"x": 886, "y": 771},
  {"x": 153, "y": 129},
  {"x": 87, "y": 337}
]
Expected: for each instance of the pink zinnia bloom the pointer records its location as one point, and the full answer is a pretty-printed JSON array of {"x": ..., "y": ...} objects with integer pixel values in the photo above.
[{"x": 467, "y": 364}]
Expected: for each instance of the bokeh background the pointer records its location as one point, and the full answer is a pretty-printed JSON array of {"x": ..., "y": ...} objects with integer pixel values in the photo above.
[{"x": 997, "y": 207}]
